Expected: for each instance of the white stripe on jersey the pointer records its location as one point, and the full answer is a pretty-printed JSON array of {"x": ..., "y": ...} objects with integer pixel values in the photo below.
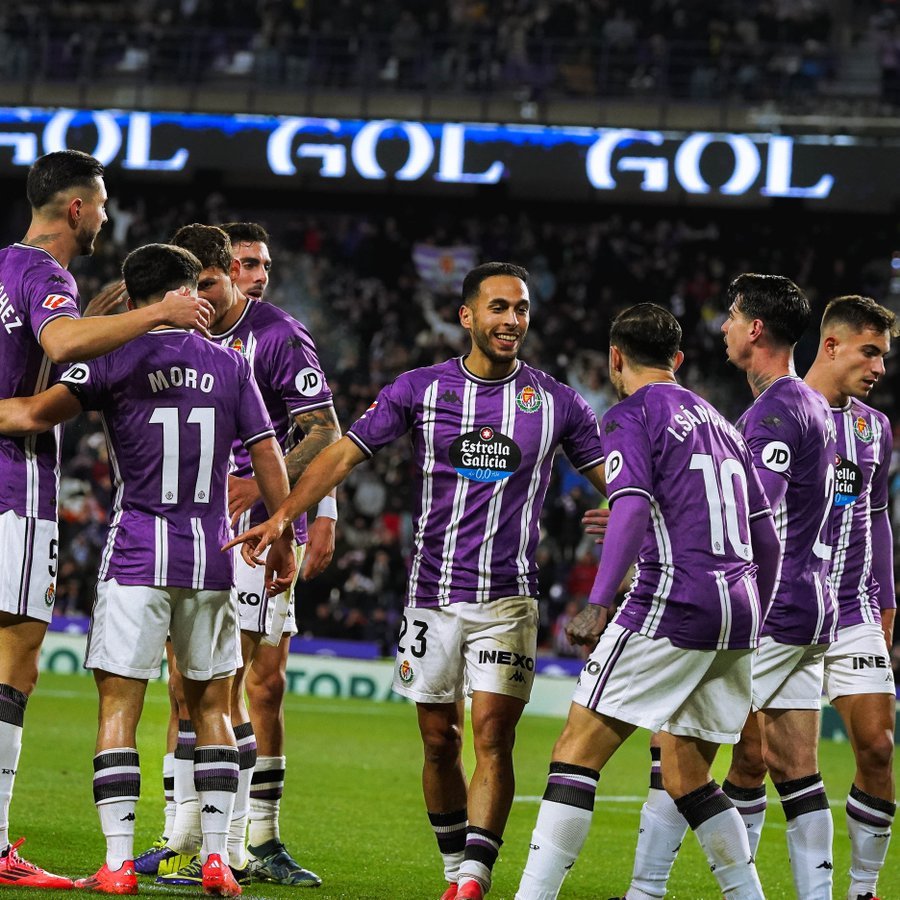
[
  {"x": 457, "y": 511},
  {"x": 199, "y": 553},
  {"x": 780, "y": 517},
  {"x": 117, "y": 504},
  {"x": 725, "y": 606},
  {"x": 428, "y": 401},
  {"x": 546, "y": 447},
  {"x": 752, "y": 589},
  {"x": 841, "y": 541},
  {"x": 32, "y": 472},
  {"x": 250, "y": 350},
  {"x": 495, "y": 503},
  {"x": 666, "y": 575},
  {"x": 161, "y": 553},
  {"x": 845, "y": 533},
  {"x": 820, "y": 608}
]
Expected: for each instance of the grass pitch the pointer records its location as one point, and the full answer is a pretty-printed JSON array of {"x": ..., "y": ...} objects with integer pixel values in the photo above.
[{"x": 353, "y": 810}]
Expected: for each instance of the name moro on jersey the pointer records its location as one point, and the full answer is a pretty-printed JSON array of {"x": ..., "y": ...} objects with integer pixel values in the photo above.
[{"x": 485, "y": 455}]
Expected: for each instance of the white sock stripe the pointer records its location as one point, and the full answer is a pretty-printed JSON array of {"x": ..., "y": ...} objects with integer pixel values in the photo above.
[
  {"x": 449, "y": 829},
  {"x": 117, "y": 770},
  {"x": 817, "y": 787}
]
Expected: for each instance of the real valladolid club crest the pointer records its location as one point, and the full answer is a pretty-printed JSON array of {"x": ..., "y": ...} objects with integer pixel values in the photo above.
[
  {"x": 863, "y": 431},
  {"x": 237, "y": 344},
  {"x": 528, "y": 399},
  {"x": 50, "y": 594},
  {"x": 406, "y": 672}
]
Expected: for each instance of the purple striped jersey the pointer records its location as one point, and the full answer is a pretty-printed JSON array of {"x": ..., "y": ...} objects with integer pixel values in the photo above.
[
  {"x": 34, "y": 290},
  {"x": 286, "y": 368},
  {"x": 864, "y": 446},
  {"x": 790, "y": 431},
  {"x": 483, "y": 452},
  {"x": 695, "y": 579},
  {"x": 172, "y": 405}
]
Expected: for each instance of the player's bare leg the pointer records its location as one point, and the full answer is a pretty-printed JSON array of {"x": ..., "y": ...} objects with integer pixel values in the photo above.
[
  {"x": 215, "y": 776},
  {"x": 246, "y": 744},
  {"x": 869, "y": 720},
  {"x": 494, "y": 718},
  {"x": 148, "y": 862},
  {"x": 745, "y": 784},
  {"x": 444, "y": 780},
  {"x": 790, "y": 739},
  {"x": 117, "y": 780},
  {"x": 586, "y": 744},
  {"x": 266, "y": 684},
  {"x": 20, "y": 645}
]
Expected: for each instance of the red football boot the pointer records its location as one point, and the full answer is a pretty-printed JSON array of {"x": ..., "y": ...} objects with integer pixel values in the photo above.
[
  {"x": 218, "y": 878},
  {"x": 18, "y": 872},
  {"x": 106, "y": 881}
]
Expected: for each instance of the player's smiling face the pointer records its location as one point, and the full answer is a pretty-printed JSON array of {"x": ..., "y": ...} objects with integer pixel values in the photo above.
[
  {"x": 498, "y": 319},
  {"x": 857, "y": 359},
  {"x": 255, "y": 263},
  {"x": 217, "y": 287}
]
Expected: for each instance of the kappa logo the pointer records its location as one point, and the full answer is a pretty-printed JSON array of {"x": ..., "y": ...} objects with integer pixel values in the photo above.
[
  {"x": 774, "y": 421},
  {"x": 450, "y": 397},
  {"x": 611, "y": 426},
  {"x": 209, "y": 808},
  {"x": 127, "y": 818},
  {"x": 57, "y": 279},
  {"x": 529, "y": 400},
  {"x": 863, "y": 430},
  {"x": 517, "y": 676},
  {"x": 825, "y": 864},
  {"x": 55, "y": 301}
]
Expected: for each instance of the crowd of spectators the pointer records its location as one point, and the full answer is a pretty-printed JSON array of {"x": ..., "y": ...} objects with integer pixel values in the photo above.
[
  {"x": 755, "y": 49},
  {"x": 349, "y": 276}
]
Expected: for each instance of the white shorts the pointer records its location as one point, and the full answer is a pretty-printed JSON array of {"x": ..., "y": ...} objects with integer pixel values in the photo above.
[
  {"x": 448, "y": 652},
  {"x": 257, "y": 610},
  {"x": 129, "y": 624},
  {"x": 28, "y": 573},
  {"x": 858, "y": 663},
  {"x": 788, "y": 676},
  {"x": 650, "y": 683}
]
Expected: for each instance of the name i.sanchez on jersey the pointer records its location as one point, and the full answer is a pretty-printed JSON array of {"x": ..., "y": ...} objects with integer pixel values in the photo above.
[{"x": 688, "y": 419}]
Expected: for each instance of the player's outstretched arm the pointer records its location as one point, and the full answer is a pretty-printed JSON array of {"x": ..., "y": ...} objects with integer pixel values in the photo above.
[
  {"x": 628, "y": 522},
  {"x": 68, "y": 340},
  {"x": 323, "y": 474},
  {"x": 30, "y": 415},
  {"x": 883, "y": 572}
]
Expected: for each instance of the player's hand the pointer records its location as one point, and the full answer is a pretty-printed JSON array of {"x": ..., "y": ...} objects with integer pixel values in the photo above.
[
  {"x": 242, "y": 494},
  {"x": 281, "y": 564},
  {"x": 595, "y": 522},
  {"x": 585, "y": 629},
  {"x": 320, "y": 547},
  {"x": 109, "y": 301},
  {"x": 182, "y": 309},
  {"x": 255, "y": 540}
]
